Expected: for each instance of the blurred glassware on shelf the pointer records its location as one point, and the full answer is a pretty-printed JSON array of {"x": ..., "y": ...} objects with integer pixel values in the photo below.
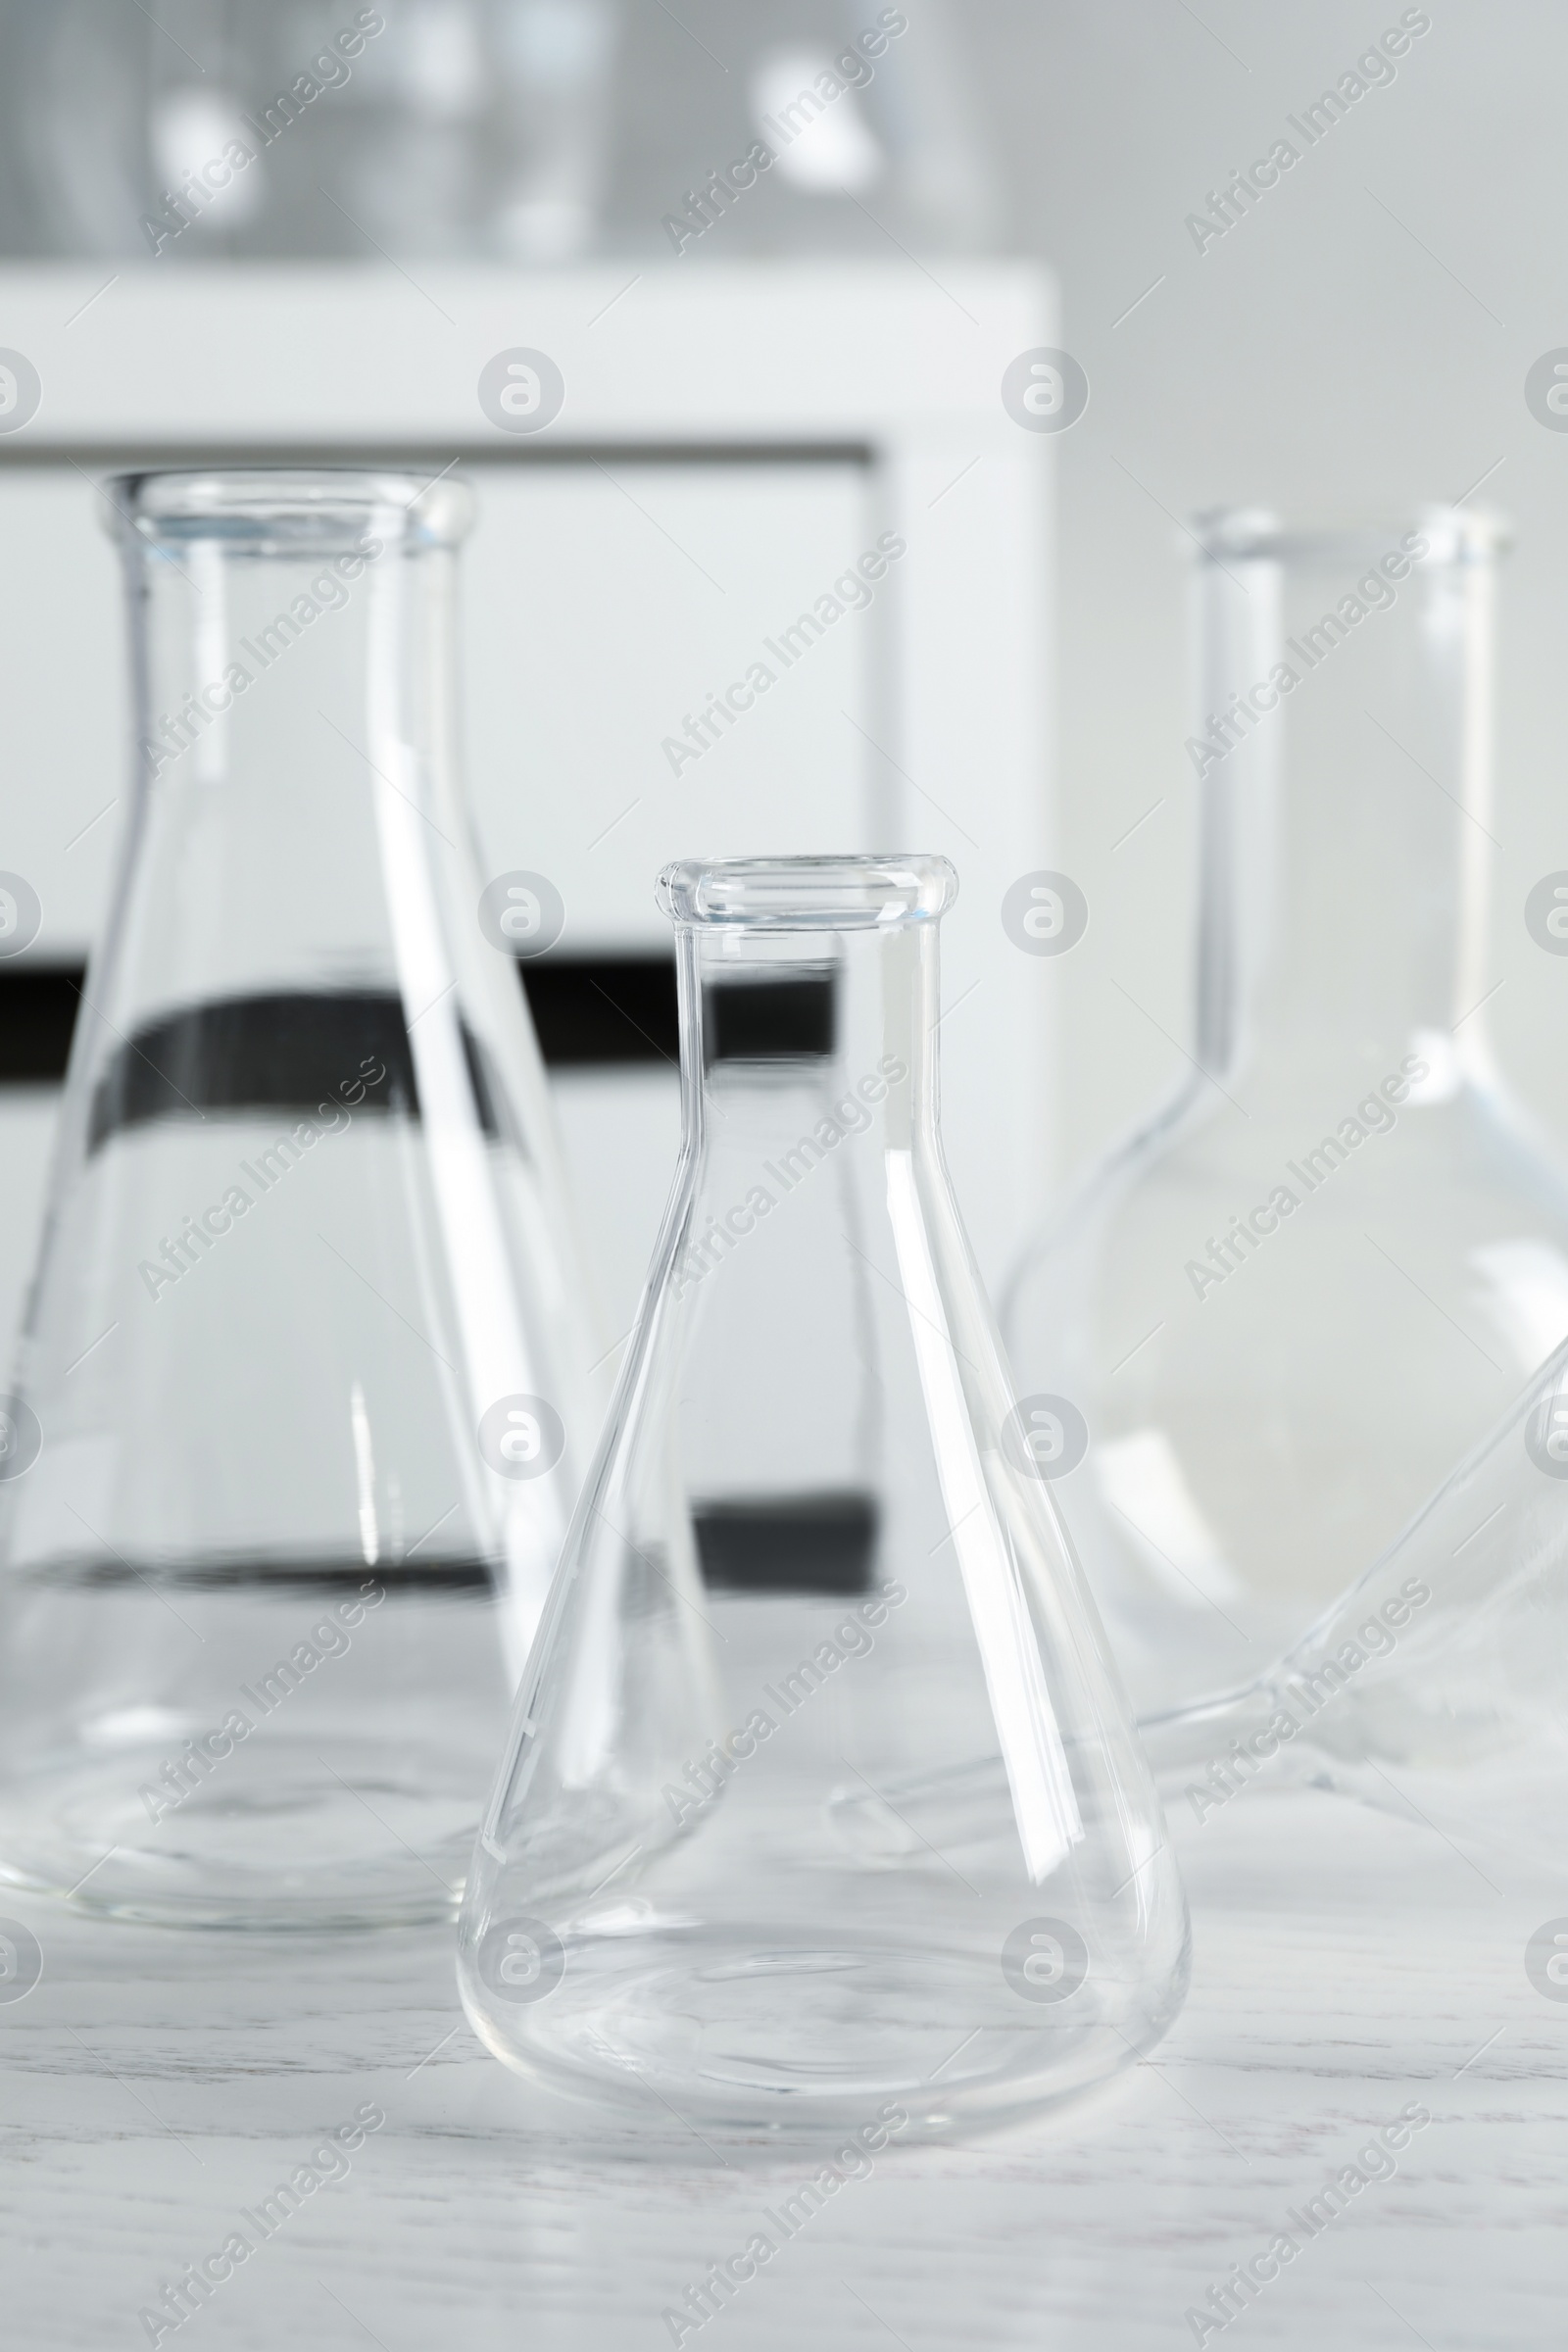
[
  {"x": 305, "y": 1391},
  {"x": 822, "y": 1804},
  {"x": 1437, "y": 1687},
  {"x": 1302, "y": 1288},
  {"x": 527, "y": 131}
]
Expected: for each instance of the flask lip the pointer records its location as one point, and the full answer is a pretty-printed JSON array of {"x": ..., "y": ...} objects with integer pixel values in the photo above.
[
  {"x": 289, "y": 510},
  {"x": 1454, "y": 535},
  {"x": 806, "y": 894}
]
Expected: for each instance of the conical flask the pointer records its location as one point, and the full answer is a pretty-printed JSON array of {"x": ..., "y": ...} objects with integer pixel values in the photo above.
[
  {"x": 1437, "y": 1687},
  {"x": 1308, "y": 1283},
  {"x": 822, "y": 1805},
  {"x": 304, "y": 1395}
]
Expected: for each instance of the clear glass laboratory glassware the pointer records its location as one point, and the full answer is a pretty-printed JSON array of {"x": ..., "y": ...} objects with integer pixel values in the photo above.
[
  {"x": 305, "y": 1391},
  {"x": 1304, "y": 1286},
  {"x": 1437, "y": 1687},
  {"x": 535, "y": 130},
  {"x": 823, "y": 1806},
  {"x": 465, "y": 128}
]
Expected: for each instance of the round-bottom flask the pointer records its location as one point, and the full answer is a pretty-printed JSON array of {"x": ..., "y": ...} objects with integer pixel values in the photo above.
[
  {"x": 822, "y": 1807},
  {"x": 1306, "y": 1287}
]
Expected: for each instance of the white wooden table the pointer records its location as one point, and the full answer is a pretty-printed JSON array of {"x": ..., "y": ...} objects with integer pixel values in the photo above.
[{"x": 157, "y": 2083}]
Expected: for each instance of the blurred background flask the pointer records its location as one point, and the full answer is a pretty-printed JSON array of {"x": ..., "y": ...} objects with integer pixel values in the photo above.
[
  {"x": 1302, "y": 1291},
  {"x": 532, "y": 132},
  {"x": 822, "y": 1805},
  {"x": 305, "y": 1391}
]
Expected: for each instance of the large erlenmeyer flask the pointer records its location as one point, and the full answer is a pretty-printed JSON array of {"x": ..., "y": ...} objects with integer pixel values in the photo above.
[
  {"x": 1306, "y": 1286},
  {"x": 304, "y": 1394},
  {"x": 830, "y": 1811},
  {"x": 1437, "y": 1687}
]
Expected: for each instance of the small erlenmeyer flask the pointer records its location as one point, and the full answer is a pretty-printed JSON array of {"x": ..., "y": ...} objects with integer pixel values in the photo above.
[
  {"x": 304, "y": 1395},
  {"x": 1437, "y": 1687},
  {"x": 1306, "y": 1285},
  {"x": 822, "y": 1803}
]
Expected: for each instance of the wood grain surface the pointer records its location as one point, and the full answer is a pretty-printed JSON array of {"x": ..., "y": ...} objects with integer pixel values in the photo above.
[{"x": 157, "y": 2085}]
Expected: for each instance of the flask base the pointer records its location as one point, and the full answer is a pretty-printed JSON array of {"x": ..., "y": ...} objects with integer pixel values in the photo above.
[
  {"x": 318, "y": 1836},
  {"x": 760, "y": 2032}
]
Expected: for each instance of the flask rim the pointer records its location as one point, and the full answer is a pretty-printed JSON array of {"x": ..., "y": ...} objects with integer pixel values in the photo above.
[
  {"x": 806, "y": 894},
  {"x": 1454, "y": 533},
  {"x": 287, "y": 510}
]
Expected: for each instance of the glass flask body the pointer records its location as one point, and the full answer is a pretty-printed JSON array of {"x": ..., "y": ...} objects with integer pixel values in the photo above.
[
  {"x": 304, "y": 1390},
  {"x": 1435, "y": 1688},
  {"x": 822, "y": 1804},
  {"x": 1302, "y": 1289}
]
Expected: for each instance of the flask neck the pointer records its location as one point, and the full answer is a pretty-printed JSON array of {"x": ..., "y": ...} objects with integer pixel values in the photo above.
[
  {"x": 292, "y": 667},
  {"x": 833, "y": 1029},
  {"x": 1345, "y": 801}
]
